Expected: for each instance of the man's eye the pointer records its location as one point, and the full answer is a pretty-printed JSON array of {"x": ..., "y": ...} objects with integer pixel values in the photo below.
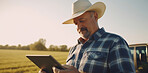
[
  {"x": 75, "y": 23},
  {"x": 81, "y": 21}
]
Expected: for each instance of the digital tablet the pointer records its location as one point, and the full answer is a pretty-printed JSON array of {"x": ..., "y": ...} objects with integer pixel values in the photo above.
[{"x": 45, "y": 62}]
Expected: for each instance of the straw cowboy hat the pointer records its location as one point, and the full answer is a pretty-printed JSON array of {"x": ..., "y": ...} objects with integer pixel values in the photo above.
[{"x": 81, "y": 6}]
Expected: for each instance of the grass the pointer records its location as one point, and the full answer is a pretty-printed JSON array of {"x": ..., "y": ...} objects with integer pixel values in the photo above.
[{"x": 15, "y": 61}]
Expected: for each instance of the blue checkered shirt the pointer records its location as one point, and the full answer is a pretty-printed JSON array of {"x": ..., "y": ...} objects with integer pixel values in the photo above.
[{"x": 103, "y": 53}]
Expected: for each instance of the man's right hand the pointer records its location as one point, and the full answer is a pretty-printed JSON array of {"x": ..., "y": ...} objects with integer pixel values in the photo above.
[
  {"x": 68, "y": 69},
  {"x": 41, "y": 71}
]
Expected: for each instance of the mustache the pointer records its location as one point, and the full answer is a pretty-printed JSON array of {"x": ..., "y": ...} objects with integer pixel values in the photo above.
[{"x": 83, "y": 29}]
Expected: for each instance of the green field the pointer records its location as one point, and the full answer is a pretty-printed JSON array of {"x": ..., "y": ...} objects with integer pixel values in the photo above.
[{"x": 14, "y": 61}]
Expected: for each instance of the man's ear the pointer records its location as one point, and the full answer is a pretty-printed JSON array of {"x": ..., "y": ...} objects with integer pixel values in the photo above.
[{"x": 96, "y": 16}]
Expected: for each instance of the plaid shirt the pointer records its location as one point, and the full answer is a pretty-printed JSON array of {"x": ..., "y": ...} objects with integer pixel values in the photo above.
[{"x": 102, "y": 53}]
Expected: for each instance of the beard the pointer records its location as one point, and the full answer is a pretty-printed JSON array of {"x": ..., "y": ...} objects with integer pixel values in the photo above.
[{"x": 84, "y": 33}]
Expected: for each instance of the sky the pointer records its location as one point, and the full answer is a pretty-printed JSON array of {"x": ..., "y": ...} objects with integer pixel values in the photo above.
[{"x": 26, "y": 21}]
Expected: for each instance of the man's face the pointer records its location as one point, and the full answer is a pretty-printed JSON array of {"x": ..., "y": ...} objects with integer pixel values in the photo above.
[{"x": 86, "y": 24}]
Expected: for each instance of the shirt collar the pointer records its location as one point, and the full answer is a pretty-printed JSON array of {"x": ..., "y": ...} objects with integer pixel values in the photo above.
[{"x": 95, "y": 36}]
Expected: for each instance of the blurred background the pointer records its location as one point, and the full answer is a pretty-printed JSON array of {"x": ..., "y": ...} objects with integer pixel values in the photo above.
[{"x": 26, "y": 21}]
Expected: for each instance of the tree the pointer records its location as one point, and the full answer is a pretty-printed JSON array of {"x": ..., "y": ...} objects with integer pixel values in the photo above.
[
  {"x": 42, "y": 41},
  {"x": 19, "y": 46},
  {"x": 58, "y": 48},
  {"x": 6, "y": 46},
  {"x": 53, "y": 48},
  {"x": 63, "y": 47},
  {"x": 25, "y": 47},
  {"x": 39, "y": 45},
  {"x": 1, "y": 47}
]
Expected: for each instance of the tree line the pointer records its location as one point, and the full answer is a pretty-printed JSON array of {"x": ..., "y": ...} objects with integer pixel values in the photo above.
[{"x": 38, "y": 45}]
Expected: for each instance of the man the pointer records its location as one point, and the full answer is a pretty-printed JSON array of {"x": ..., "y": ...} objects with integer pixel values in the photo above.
[{"x": 97, "y": 51}]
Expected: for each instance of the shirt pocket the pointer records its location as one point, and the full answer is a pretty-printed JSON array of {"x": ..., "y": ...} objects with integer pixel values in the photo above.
[{"x": 96, "y": 55}]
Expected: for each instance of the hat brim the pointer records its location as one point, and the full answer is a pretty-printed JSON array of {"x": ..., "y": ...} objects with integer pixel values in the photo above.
[{"x": 98, "y": 7}]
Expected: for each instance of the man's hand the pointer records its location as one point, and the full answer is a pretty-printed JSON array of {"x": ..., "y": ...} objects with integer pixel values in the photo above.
[
  {"x": 41, "y": 71},
  {"x": 68, "y": 69}
]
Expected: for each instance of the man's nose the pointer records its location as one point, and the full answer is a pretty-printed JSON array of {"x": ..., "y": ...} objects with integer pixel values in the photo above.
[{"x": 79, "y": 26}]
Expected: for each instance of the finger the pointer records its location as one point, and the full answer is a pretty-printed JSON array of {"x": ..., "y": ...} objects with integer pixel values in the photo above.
[
  {"x": 56, "y": 70},
  {"x": 41, "y": 71},
  {"x": 66, "y": 66},
  {"x": 70, "y": 69}
]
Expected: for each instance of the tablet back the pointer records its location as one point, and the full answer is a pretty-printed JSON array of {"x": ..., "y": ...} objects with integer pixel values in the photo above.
[{"x": 45, "y": 62}]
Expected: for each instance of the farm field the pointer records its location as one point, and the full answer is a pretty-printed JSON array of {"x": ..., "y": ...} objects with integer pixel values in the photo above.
[{"x": 15, "y": 61}]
